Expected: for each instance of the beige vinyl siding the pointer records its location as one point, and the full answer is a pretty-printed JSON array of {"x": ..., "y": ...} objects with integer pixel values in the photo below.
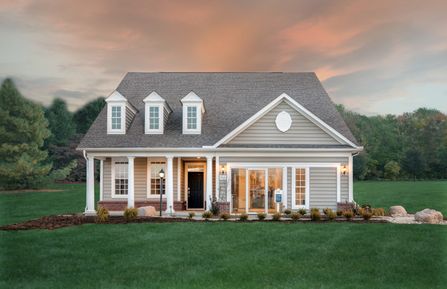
[
  {"x": 302, "y": 131},
  {"x": 182, "y": 181},
  {"x": 107, "y": 179},
  {"x": 323, "y": 188},
  {"x": 140, "y": 173}
]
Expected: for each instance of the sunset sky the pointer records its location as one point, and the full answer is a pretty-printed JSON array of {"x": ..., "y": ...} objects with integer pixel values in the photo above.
[{"x": 375, "y": 57}]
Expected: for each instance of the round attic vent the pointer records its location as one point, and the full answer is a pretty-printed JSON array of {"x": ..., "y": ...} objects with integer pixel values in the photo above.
[{"x": 283, "y": 121}]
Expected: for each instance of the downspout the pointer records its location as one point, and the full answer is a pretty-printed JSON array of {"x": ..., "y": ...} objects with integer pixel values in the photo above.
[{"x": 86, "y": 160}]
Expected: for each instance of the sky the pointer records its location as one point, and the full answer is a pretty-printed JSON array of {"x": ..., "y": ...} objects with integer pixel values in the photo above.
[{"x": 374, "y": 57}]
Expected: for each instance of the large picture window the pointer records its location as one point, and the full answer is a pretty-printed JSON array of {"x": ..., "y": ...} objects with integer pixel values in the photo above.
[
  {"x": 300, "y": 187},
  {"x": 116, "y": 117},
  {"x": 121, "y": 178},
  {"x": 191, "y": 117},
  {"x": 155, "y": 178}
]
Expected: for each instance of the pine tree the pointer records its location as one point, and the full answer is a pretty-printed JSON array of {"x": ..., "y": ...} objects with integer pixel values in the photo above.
[
  {"x": 60, "y": 123},
  {"x": 87, "y": 114},
  {"x": 23, "y": 129}
]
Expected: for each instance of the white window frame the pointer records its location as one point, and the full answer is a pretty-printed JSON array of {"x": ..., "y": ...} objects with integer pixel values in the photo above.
[
  {"x": 160, "y": 129},
  {"x": 307, "y": 188},
  {"x": 115, "y": 160},
  {"x": 110, "y": 130},
  {"x": 198, "y": 129},
  {"x": 149, "y": 194}
]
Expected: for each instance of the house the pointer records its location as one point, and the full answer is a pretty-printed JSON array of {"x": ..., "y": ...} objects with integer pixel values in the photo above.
[{"x": 255, "y": 142}]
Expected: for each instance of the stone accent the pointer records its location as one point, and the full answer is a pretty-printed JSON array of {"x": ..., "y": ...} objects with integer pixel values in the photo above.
[
  {"x": 398, "y": 211},
  {"x": 429, "y": 216},
  {"x": 147, "y": 211},
  {"x": 120, "y": 205},
  {"x": 224, "y": 207}
]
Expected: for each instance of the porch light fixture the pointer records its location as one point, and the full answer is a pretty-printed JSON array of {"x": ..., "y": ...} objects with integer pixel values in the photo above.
[
  {"x": 344, "y": 170},
  {"x": 162, "y": 175},
  {"x": 222, "y": 170}
]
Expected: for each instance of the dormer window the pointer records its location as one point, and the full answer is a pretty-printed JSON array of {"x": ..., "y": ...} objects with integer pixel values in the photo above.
[
  {"x": 119, "y": 113},
  {"x": 156, "y": 113},
  {"x": 192, "y": 113}
]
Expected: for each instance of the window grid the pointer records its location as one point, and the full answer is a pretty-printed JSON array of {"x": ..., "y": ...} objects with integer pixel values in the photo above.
[
  {"x": 116, "y": 117},
  {"x": 121, "y": 178},
  {"x": 155, "y": 178},
  {"x": 300, "y": 187},
  {"x": 191, "y": 117},
  {"x": 154, "y": 117}
]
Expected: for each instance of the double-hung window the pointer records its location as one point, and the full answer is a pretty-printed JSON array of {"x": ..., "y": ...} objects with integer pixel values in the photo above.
[
  {"x": 300, "y": 187},
  {"x": 121, "y": 178},
  {"x": 116, "y": 117},
  {"x": 191, "y": 117},
  {"x": 155, "y": 178},
  {"x": 154, "y": 118}
]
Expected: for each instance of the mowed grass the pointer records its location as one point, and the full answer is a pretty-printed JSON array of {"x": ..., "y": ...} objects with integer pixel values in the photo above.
[
  {"x": 226, "y": 255},
  {"x": 22, "y": 206},
  {"x": 414, "y": 196}
]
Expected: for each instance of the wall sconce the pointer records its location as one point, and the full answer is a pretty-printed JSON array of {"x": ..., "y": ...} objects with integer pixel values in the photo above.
[
  {"x": 222, "y": 170},
  {"x": 344, "y": 170}
]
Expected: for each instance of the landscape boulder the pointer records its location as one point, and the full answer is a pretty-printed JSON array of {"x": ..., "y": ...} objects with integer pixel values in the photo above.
[
  {"x": 398, "y": 211},
  {"x": 147, "y": 211},
  {"x": 429, "y": 216}
]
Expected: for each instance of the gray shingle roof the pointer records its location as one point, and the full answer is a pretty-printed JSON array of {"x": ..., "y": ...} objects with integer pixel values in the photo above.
[{"x": 229, "y": 99}]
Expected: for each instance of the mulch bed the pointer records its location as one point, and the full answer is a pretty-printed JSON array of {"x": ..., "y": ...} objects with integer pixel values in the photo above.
[{"x": 61, "y": 221}]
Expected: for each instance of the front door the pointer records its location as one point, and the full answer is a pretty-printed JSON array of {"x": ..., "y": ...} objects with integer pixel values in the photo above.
[
  {"x": 195, "y": 190},
  {"x": 256, "y": 190}
]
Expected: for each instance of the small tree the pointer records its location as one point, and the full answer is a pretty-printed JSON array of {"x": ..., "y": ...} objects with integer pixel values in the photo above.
[{"x": 392, "y": 170}]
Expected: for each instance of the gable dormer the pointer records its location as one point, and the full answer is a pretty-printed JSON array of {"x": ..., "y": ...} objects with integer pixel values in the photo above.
[
  {"x": 120, "y": 113},
  {"x": 193, "y": 110},
  {"x": 156, "y": 112}
]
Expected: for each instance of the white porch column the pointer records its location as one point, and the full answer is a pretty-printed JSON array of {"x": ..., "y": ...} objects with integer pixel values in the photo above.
[
  {"x": 217, "y": 178},
  {"x": 101, "y": 178},
  {"x": 209, "y": 181},
  {"x": 130, "y": 183},
  {"x": 351, "y": 181},
  {"x": 170, "y": 185},
  {"x": 90, "y": 190}
]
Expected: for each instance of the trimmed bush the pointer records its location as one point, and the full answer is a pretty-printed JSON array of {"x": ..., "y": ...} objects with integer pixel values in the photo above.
[
  {"x": 348, "y": 214},
  {"x": 261, "y": 216},
  {"x": 295, "y": 216},
  {"x": 378, "y": 212},
  {"x": 287, "y": 212},
  {"x": 215, "y": 210},
  {"x": 130, "y": 214},
  {"x": 191, "y": 215},
  {"x": 276, "y": 217},
  {"x": 339, "y": 213},
  {"x": 224, "y": 216},
  {"x": 102, "y": 215},
  {"x": 302, "y": 212},
  {"x": 366, "y": 215},
  {"x": 327, "y": 211},
  {"x": 331, "y": 215},
  {"x": 315, "y": 215},
  {"x": 243, "y": 217},
  {"x": 206, "y": 215}
]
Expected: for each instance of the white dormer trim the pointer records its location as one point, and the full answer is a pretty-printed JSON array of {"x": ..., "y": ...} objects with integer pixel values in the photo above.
[
  {"x": 192, "y": 102},
  {"x": 154, "y": 100},
  {"x": 116, "y": 101}
]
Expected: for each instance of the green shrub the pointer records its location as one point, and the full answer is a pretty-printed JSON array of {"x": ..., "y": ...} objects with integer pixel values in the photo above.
[
  {"x": 191, "y": 215},
  {"x": 130, "y": 214},
  {"x": 348, "y": 214},
  {"x": 243, "y": 217},
  {"x": 102, "y": 215},
  {"x": 261, "y": 216},
  {"x": 302, "y": 212},
  {"x": 327, "y": 211},
  {"x": 287, "y": 212},
  {"x": 295, "y": 216},
  {"x": 378, "y": 212},
  {"x": 206, "y": 215},
  {"x": 314, "y": 210},
  {"x": 276, "y": 217},
  {"x": 315, "y": 215},
  {"x": 366, "y": 215},
  {"x": 339, "y": 213},
  {"x": 224, "y": 216},
  {"x": 331, "y": 215},
  {"x": 215, "y": 210}
]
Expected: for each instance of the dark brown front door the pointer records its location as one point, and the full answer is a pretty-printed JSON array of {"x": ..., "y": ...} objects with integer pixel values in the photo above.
[{"x": 195, "y": 190}]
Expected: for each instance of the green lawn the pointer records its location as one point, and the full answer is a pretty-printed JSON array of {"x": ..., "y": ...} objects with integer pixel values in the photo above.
[
  {"x": 414, "y": 196},
  {"x": 219, "y": 255}
]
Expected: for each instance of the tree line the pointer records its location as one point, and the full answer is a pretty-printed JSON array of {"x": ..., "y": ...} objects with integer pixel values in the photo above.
[
  {"x": 408, "y": 146},
  {"x": 38, "y": 144}
]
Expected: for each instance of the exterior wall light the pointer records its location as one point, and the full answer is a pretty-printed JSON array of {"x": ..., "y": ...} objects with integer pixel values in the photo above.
[
  {"x": 222, "y": 170},
  {"x": 344, "y": 170}
]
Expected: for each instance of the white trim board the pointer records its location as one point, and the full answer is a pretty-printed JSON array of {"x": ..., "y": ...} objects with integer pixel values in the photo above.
[{"x": 301, "y": 109}]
